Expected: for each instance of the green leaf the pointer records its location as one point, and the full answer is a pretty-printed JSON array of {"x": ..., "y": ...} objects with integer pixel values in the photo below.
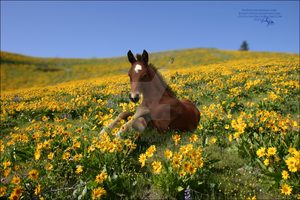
[
  {"x": 121, "y": 195},
  {"x": 84, "y": 191},
  {"x": 274, "y": 186},
  {"x": 75, "y": 192},
  {"x": 205, "y": 141},
  {"x": 134, "y": 183},
  {"x": 85, "y": 149},
  {"x": 92, "y": 184},
  {"x": 200, "y": 182},
  {"x": 270, "y": 183},
  {"x": 114, "y": 176},
  {"x": 179, "y": 188},
  {"x": 212, "y": 185},
  {"x": 165, "y": 167},
  {"x": 270, "y": 169},
  {"x": 261, "y": 164},
  {"x": 25, "y": 153},
  {"x": 296, "y": 140},
  {"x": 276, "y": 176},
  {"x": 246, "y": 150},
  {"x": 212, "y": 161}
]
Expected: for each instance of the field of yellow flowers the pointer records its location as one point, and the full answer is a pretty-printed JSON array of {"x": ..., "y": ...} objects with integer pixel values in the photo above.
[
  {"x": 246, "y": 145},
  {"x": 19, "y": 71}
]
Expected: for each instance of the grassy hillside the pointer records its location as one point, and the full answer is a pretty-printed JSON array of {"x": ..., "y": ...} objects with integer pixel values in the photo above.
[
  {"x": 246, "y": 145},
  {"x": 18, "y": 71}
]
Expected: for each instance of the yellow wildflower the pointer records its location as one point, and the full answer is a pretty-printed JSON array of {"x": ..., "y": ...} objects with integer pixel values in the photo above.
[
  {"x": 78, "y": 170},
  {"x": 37, "y": 190},
  {"x": 2, "y": 191},
  {"x": 142, "y": 159},
  {"x": 33, "y": 174},
  {"x": 16, "y": 180},
  {"x": 101, "y": 177},
  {"x": 267, "y": 162},
  {"x": 213, "y": 140},
  {"x": 182, "y": 173},
  {"x": 176, "y": 139},
  {"x": 49, "y": 166},
  {"x": 157, "y": 167},
  {"x": 191, "y": 169},
  {"x": 285, "y": 174},
  {"x": 292, "y": 150},
  {"x": 50, "y": 156},
  {"x": 193, "y": 138},
  {"x": 285, "y": 189},
  {"x": 66, "y": 155},
  {"x": 272, "y": 151},
  {"x": 168, "y": 154},
  {"x": 98, "y": 192},
  {"x": 261, "y": 152}
]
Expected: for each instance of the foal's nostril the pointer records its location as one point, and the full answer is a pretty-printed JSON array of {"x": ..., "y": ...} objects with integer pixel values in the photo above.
[
  {"x": 135, "y": 99},
  {"x": 137, "y": 96}
]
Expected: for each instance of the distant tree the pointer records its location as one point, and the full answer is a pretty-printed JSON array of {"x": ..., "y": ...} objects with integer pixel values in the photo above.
[{"x": 244, "y": 46}]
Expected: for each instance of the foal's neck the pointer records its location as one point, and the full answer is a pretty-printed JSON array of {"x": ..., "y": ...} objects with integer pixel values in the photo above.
[{"x": 155, "y": 90}]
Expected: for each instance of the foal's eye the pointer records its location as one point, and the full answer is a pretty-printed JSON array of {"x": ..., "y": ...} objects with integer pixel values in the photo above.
[{"x": 144, "y": 76}]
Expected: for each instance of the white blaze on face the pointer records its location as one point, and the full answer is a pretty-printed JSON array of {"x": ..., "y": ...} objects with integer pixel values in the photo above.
[{"x": 137, "y": 68}]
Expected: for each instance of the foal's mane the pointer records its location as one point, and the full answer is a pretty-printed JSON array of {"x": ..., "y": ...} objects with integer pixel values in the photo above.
[{"x": 160, "y": 77}]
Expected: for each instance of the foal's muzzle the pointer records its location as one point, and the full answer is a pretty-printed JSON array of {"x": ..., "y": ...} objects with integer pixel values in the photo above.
[{"x": 135, "y": 99}]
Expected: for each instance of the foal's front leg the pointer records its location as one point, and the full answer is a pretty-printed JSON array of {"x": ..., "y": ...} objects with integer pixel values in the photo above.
[
  {"x": 113, "y": 124},
  {"x": 136, "y": 122}
]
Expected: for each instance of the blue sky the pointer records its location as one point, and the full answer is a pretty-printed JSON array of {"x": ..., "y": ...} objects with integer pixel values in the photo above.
[{"x": 78, "y": 29}]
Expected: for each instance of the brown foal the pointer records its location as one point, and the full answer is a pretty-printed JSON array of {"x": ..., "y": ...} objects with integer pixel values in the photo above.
[{"x": 159, "y": 108}]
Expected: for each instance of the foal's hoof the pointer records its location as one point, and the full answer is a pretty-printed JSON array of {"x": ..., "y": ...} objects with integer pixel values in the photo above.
[{"x": 118, "y": 134}]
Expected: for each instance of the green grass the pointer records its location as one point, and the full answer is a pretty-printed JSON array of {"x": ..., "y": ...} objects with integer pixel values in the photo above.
[{"x": 228, "y": 173}]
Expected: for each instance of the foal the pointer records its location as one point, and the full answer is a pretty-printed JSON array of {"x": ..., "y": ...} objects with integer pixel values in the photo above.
[{"x": 159, "y": 108}]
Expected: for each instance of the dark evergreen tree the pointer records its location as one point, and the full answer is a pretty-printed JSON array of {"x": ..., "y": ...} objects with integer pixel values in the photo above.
[{"x": 244, "y": 46}]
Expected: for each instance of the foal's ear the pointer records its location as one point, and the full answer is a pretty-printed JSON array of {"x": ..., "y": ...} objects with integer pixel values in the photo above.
[
  {"x": 131, "y": 57},
  {"x": 145, "y": 56}
]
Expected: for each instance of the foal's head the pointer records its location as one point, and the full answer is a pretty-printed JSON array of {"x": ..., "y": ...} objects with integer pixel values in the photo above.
[{"x": 139, "y": 74}]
